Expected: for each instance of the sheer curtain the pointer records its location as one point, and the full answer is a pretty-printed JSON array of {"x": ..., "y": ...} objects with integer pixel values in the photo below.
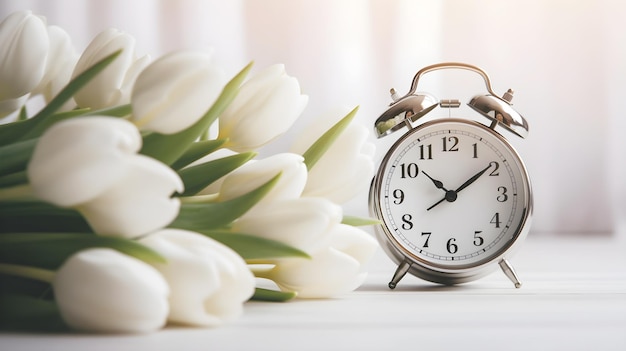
[{"x": 564, "y": 59}]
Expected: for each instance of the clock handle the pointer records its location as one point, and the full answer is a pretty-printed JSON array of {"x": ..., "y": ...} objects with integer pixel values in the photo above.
[
  {"x": 450, "y": 65},
  {"x": 497, "y": 109}
]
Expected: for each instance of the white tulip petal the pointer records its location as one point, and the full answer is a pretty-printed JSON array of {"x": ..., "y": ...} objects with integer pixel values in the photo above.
[
  {"x": 317, "y": 128},
  {"x": 175, "y": 91},
  {"x": 139, "y": 203},
  {"x": 60, "y": 63},
  {"x": 328, "y": 273},
  {"x": 111, "y": 86},
  {"x": 354, "y": 242},
  {"x": 23, "y": 46},
  {"x": 9, "y": 106},
  {"x": 102, "y": 290},
  {"x": 78, "y": 159},
  {"x": 254, "y": 174},
  {"x": 266, "y": 106},
  {"x": 209, "y": 282},
  {"x": 333, "y": 270},
  {"x": 303, "y": 223},
  {"x": 343, "y": 171}
]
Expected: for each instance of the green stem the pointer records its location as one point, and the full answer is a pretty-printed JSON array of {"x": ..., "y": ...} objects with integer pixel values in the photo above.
[
  {"x": 40, "y": 274},
  {"x": 199, "y": 199},
  {"x": 22, "y": 192},
  {"x": 117, "y": 111},
  {"x": 262, "y": 272}
]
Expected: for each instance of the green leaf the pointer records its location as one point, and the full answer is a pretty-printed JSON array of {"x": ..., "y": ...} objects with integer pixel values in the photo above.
[
  {"x": 46, "y": 123},
  {"x": 50, "y": 250},
  {"x": 11, "y": 132},
  {"x": 252, "y": 247},
  {"x": 196, "y": 151},
  {"x": 200, "y": 176},
  {"x": 321, "y": 145},
  {"x": 26, "y": 313},
  {"x": 359, "y": 221},
  {"x": 13, "y": 179},
  {"x": 36, "y": 216},
  {"x": 117, "y": 111},
  {"x": 23, "y": 114},
  {"x": 261, "y": 294},
  {"x": 168, "y": 148},
  {"x": 207, "y": 216},
  {"x": 15, "y": 157}
]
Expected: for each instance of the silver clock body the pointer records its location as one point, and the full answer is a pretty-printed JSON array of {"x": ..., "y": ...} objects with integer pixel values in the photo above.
[
  {"x": 444, "y": 235},
  {"x": 453, "y": 196}
]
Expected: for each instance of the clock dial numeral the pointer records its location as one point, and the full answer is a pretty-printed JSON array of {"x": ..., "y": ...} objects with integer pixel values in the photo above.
[
  {"x": 495, "y": 220},
  {"x": 407, "y": 223},
  {"x": 452, "y": 141},
  {"x": 426, "y": 152},
  {"x": 451, "y": 246},
  {"x": 398, "y": 196},
  {"x": 496, "y": 166},
  {"x": 478, "y": 240},
  {"x": 502, "y": 196},
  {"x": 410, "y": 170},
  {"x": 475, "y": 146},
  {"x": 427, "y": 234}
]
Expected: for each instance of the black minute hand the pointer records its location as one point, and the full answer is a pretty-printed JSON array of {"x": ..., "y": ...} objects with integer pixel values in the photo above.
[
  {"x": 451, "y": 195},
  {"x": 473, "y": 179}
]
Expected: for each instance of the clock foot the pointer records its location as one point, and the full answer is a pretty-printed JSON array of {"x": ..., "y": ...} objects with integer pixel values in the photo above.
[
  {"x": 510, "y": 272},
  {"x": 403, "y": 268}
]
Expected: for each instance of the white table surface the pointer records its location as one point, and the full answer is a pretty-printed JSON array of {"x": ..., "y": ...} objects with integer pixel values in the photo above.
[{"x": 573, "y": 298}]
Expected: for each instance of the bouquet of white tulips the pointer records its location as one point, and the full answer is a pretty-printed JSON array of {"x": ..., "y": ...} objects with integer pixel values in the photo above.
[{"x": 120, "y": 213}]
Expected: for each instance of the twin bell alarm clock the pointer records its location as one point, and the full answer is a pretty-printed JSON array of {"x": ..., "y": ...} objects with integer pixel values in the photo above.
[{"x": 452, "y": 194}]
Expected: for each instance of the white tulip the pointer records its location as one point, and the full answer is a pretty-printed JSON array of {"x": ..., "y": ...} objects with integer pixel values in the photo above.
[
  {"x": 256, "y": 173},
  {"x": 266, "y": 107},
  {"x": 102, "y": 290},
  {"x": 208, "y": 281},
  {"x": 346, "y": 168},
  {"x": 61, "y": 60},
  {"x": 24, "y": 46},
  {"x": 91, "y": 164},
  {"x": 175, "y": 91},
  {"x": 303, "y": 223},
  {"x": 332, "y": 270},
  {"x": 11, "y": 105},
  {"x": 113, "y": 85}
]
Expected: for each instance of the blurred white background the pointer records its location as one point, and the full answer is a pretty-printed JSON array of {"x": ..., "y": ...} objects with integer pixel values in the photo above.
[{"x": 566, "y": 61}]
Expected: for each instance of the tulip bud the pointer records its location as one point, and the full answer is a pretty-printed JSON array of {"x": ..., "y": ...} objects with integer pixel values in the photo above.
[
  {"x": 175, "y": 91},
  {"x": 303, "y": 223},
  {"x": 332, "y": 270},
  {"x": 61, "y": 60},
  {"x": 91, "y": 164},
  {"x": 102, "y": 290},
  {"x": 24, "y": 47},
  {"x": 266, "y": 107},
  {"x": 113, "y": 85},
  {"x": 256, "y": 173},
  {"x": 346, "y": 168},
  {"x": 208, "y": 281}
]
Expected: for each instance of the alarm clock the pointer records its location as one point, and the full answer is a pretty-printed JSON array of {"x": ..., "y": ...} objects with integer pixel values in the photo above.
[{"x": 453, "y": 196}]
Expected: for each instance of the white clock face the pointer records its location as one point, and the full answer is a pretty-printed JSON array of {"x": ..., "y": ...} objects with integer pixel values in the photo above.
[{"x": 452, "y": 194}]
